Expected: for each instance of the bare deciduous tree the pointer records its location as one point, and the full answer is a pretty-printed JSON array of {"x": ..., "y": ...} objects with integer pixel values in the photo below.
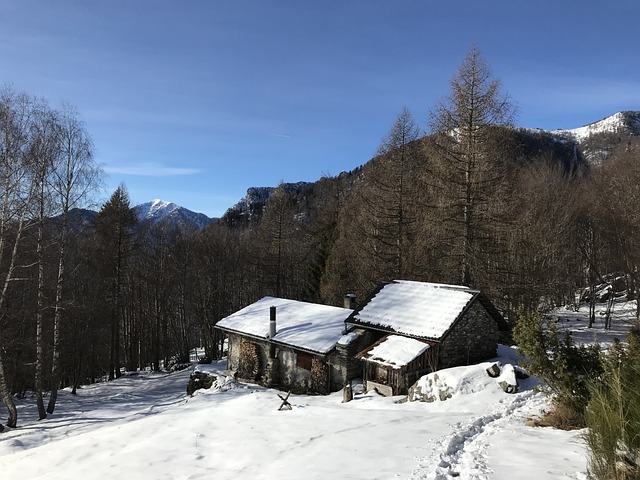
[
  {"x": 18, "y": 190},
  {"x": 465, "y": 161},
  {"x": 388, "y": 219},
  {"x": 74, "y": 177}
]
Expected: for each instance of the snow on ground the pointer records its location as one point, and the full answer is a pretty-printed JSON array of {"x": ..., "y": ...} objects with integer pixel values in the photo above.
[
  {"x": 144, "y": 426},
  {"x": 623, "y": 316},
  {"x": 612, "y": 124}
]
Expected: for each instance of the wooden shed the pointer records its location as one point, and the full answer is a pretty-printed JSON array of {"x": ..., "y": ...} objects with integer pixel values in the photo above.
[{"x": 394, "y": 362}]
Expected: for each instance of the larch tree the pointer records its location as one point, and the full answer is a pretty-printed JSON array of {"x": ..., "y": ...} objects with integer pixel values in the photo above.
[
  {"x": 541, "y": 240},
  {"x": 465, "y": 163},
  {"x": 275, "y": 239},
  {"x": 389, "y": 197}
]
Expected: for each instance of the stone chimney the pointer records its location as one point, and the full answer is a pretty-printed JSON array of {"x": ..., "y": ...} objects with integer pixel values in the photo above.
[
  {"x": 350, "y": 301},
  {"x": 272, "y": 322}
]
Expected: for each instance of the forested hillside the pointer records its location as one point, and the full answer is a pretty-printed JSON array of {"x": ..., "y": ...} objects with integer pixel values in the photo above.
[{"x": 518, "y": 213}]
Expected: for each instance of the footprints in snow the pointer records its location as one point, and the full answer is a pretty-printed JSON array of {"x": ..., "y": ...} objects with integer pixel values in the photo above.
[{"x": 463, "y": 453}]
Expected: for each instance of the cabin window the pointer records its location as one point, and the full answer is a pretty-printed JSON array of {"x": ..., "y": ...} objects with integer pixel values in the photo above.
[
  {"x": 382, "y": 375},
  {"x": 304, "y": 360}
]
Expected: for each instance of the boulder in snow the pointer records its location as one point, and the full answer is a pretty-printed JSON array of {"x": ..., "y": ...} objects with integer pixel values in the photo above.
[
  {"x": 429, "y": 389},
  {"x": 494, "y": 370},
  {"x": 198, "y": 380},
  {"x": 520, "y": 373},
  {"x": 507, "y": 379}
]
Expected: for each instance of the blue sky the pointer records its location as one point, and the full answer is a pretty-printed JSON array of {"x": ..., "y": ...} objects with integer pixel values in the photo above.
[{"x": 195, "y": 101}]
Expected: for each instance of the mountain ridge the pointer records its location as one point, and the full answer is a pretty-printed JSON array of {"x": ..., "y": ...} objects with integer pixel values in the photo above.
[
  {"x": 159, "y": 211},
  {"x": 597, "y": 140},
  {"x": 594, "y": 142},
  {"x": 621, "y": 124}
]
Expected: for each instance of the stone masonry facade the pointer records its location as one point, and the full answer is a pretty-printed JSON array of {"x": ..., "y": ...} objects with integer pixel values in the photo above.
[{"x": 474, "y": 338}]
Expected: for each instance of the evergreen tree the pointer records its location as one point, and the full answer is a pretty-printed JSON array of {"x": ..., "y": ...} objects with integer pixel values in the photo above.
[
  {"x": 613, "y": 414},
  {"x": 114, "y": 228}
]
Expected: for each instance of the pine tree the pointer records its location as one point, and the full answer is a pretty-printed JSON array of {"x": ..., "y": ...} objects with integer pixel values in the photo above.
[{"x": 114, "y": 224}]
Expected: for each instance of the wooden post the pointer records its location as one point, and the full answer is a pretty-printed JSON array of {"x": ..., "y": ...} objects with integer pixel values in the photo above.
[{"x": 347, "y": 393}]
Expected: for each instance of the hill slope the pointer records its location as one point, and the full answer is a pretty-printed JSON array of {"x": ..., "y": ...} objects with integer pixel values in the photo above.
[{"x": 596, "y": 141}]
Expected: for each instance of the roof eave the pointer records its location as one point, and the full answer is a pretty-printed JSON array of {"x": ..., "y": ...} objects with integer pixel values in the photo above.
[
  {"x": 303, "y": 349},
  {"x": 277, "y": 342},
  {"x": 240, "y": 332},
  {"x": 369, "y": 326}
]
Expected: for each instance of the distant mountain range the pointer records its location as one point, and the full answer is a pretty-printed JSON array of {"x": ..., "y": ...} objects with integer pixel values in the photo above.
[
  {"x": 156, "y": 213},
  {"x": 159, "y": 212},
  {"x": 621, "y": 123},
  {"x": 596, "y": 140},
  {"x": 252, "y": 204},
  {"x": 592, "y": 143}
]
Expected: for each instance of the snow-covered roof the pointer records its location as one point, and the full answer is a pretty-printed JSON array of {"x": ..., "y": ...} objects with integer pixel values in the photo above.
[
  {"x": 418, "y": 309},
  {"x": 308, "y": 326},
  {"x": 395, "y": 351}
]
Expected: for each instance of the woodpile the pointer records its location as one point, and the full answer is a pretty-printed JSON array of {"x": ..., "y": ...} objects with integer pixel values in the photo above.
[
  {"x": 250, "y": 361},
  {"x": 319, "y": 376}
]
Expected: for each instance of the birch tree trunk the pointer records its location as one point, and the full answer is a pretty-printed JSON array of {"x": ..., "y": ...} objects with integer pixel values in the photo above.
[
  {"x": 75, "y": 176},
  {"x": 18, "y": 186}
]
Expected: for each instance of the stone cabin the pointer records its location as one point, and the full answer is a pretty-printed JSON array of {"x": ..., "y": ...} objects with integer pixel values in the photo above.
[
  {"x": 290, "y": 345},
  {"x": 414, "y": 328}
]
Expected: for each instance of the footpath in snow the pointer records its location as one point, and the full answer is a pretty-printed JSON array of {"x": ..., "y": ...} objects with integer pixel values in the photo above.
[{"x": 145, "y": 426}]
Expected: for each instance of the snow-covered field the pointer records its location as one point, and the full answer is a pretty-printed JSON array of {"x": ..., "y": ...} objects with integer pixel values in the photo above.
[
  {"x": 623, "y": 316},
  {"x": 144, "y": 426}
]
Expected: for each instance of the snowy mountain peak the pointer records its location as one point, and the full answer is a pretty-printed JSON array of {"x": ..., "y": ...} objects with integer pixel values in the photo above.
[
  {"x": 158, "y": 211},
  {"x": 154, "y": 210},
  {"x": 627, "y": 122}
]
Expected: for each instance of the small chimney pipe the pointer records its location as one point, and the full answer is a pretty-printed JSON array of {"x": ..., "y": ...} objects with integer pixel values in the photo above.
[
  {"x": 272, "y": 322},
  {"x": 350, "y": 301}
]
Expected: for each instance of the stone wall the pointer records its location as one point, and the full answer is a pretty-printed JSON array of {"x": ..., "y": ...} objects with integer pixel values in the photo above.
[
  {"x": 344, "y": 364},
  {"x": 239, "y": 347},
  {"x": 292, "y": 376},
  {"x": 284, "y": 371},
  {"x": 233, "y": 353},
  {"x": 473, "y": 339}
]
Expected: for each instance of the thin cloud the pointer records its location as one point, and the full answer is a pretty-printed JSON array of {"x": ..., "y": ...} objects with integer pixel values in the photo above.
[
  {"x": 150, "y": 170},
  {"x": 280, "y": 135}
]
